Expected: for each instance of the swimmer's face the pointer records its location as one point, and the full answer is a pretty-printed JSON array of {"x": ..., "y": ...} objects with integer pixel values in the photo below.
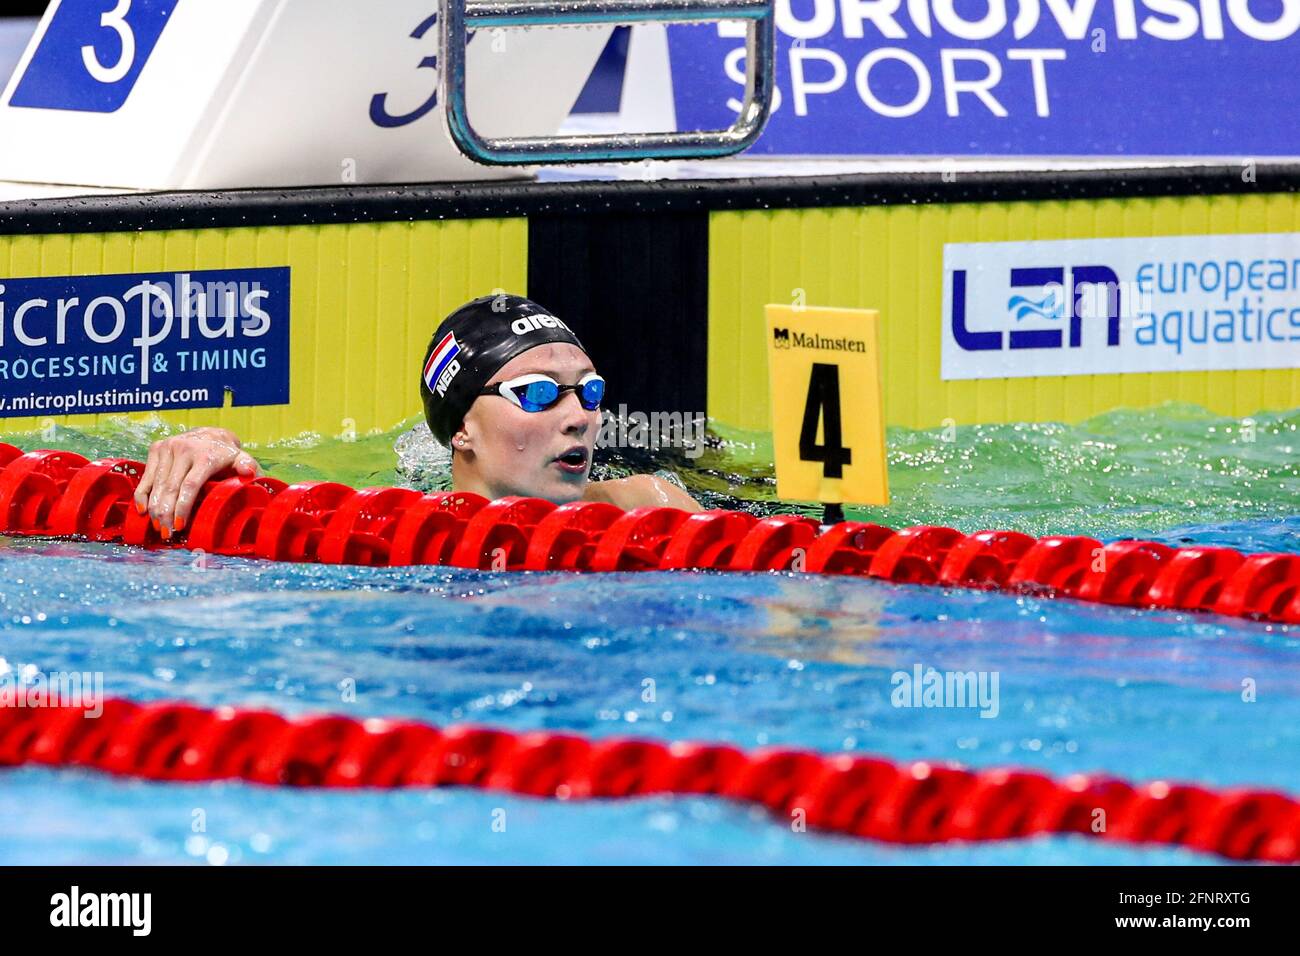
[{"x": 545, "y": 454}]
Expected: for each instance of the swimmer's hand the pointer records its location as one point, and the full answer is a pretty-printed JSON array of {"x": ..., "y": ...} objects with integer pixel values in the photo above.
[
  {"x": 640, "y": 491},
  {"x": 177, "y": 468}
]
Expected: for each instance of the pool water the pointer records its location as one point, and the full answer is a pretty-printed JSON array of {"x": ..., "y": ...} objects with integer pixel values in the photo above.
[{"x": 752, "y": 659}]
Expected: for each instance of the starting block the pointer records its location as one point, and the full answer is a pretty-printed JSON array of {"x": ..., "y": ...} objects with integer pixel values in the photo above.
[{"x": 195, "y": 94}]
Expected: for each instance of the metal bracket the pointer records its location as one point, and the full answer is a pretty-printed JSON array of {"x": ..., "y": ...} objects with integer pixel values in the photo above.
[{"x": 461, "y": 16}]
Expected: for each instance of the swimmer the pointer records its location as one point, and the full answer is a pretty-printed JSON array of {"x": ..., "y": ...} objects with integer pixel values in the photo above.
[{"x": 506, "y": 386}]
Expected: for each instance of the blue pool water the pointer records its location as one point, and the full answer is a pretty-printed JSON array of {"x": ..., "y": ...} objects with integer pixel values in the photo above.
[{"x": 748, "y": 658}]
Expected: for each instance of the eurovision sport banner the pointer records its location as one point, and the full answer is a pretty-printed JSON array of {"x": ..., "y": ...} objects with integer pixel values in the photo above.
[{"x": 1010, "y": 77}]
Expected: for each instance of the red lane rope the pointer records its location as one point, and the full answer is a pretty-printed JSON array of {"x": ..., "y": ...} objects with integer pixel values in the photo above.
[
  {"x": 61, "y": 493},
  {"x": 861, "y": 796}
]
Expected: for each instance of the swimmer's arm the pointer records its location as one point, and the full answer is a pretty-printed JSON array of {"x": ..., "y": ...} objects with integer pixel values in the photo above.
[{"x": 639, "y": 491}]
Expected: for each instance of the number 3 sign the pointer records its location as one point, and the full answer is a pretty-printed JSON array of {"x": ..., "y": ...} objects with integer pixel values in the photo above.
[
  {"x": 828, "y": 425},
  {"x": 90, "y": 54}
]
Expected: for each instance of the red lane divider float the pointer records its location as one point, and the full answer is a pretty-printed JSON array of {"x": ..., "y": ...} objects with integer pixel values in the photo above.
[
  {"x": 861, "y": 796},
  {"x": 60, "y": 493}
]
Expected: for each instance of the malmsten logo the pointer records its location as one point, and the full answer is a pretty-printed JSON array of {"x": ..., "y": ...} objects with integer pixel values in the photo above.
[{"x": 784, "y": 339}]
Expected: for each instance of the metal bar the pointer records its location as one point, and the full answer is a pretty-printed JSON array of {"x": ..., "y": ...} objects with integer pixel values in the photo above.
[
  {"x": 621, "y": 147},
  {"x": 480, "y": 14}
]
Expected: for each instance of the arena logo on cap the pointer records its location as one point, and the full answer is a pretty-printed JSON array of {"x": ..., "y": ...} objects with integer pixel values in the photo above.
[
  {"x": 532, "y": 323},
  {"x": 442, "y": 365}
]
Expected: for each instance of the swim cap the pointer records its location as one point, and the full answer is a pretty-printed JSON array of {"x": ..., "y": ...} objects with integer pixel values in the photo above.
[{"x": 470, "y": 346}]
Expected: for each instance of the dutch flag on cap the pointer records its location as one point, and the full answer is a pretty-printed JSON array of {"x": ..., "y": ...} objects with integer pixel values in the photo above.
[{"x": 440, "y": 358}]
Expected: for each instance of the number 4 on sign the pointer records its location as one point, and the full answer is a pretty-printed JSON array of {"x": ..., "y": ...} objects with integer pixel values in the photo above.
[
  {"x": 823, "y": 405},
  {"x": 828, "y": 429}
]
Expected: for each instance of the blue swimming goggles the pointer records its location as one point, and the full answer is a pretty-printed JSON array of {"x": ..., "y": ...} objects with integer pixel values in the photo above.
[{"x": 536, "y": 392}]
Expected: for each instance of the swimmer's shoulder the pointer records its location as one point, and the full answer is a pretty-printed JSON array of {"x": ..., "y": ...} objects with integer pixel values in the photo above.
[{"x": 639, "y": 491}]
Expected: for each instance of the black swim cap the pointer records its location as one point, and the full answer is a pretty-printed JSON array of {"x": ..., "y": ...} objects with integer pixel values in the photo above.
[{"x": 470, "y": 346}]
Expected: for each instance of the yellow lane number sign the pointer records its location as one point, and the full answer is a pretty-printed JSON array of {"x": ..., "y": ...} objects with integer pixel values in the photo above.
[{"x": 828, "y": 423}]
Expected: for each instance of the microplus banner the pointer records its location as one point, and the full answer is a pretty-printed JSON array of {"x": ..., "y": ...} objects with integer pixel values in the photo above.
[
  {"x": 1097, "y": 306},
  {"x": 1010, "y": 77},
  {"x": 143, "y": 341}
]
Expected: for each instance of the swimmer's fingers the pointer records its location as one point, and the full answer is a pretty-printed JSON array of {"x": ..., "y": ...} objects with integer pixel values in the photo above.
[
  {"x": 246, "y": 464},
  {"x": 188, "y": 491},
  {"x": 162, "y": 466},
  {"x": 208, "y": 455},
  {"x": 167, "y": 488},
  {"x": 222, "y": 454},
  {"x": 178, "y": 467},
  {"x": 147, "y": 479}
]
